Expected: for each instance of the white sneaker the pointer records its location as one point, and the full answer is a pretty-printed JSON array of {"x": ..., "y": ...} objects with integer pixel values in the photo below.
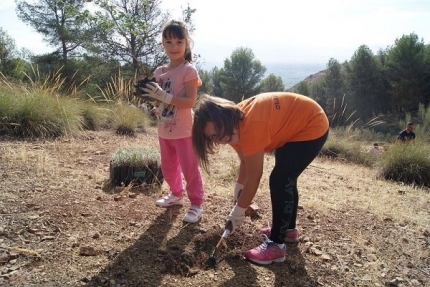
[
  {"x": 170, "y": 200},
  {"x": 194, "y": 214}
]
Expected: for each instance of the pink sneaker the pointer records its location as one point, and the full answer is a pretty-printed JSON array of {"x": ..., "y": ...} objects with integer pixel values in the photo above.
[
  {"x": 267, "y": 253},
  {"x": 292, "y": 236}
]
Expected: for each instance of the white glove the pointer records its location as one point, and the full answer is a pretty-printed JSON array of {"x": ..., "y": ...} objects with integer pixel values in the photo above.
[
  {"x": 237, "y": 190},
  {"x": 153, "y": 90},
  {"x": 237, "y": 216}
]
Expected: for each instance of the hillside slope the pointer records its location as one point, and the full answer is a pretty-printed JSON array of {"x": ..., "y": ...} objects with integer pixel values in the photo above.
[{"x": 63, "y": 224}]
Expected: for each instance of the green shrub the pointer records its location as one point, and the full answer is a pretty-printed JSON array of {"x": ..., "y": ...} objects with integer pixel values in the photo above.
[
  {"x": 343, "y": 145},
  {"x": 38, "y": 114},
  {"x": 408, "y": 163},
  {"x": 126, "y": 119},
  {"x": 95, "y": 116},
  {"x": 6, "y": 109}
]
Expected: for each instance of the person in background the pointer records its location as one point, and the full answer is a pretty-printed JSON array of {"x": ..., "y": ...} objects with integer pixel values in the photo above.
[
  {"x": 375, "y": 149},
  {"x": 407, "y": 135},
  {"x": 176, "y": 90},
  {"x": 292, "y": 125}
]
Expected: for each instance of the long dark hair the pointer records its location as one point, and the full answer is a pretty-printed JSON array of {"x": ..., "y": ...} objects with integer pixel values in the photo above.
[
  {"x": 178, "y": 29},
  {"x": 225, "y": 116}
]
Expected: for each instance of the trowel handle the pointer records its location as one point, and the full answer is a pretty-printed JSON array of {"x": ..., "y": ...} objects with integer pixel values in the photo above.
[
  {"x": 228, "y": 228},
  {"x": 221, "y": 243}
]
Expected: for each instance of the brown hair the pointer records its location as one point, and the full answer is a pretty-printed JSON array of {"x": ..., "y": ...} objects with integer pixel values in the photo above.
[
  {"x": 178, "y": 29},
  {"x": 226, "y": 117}
]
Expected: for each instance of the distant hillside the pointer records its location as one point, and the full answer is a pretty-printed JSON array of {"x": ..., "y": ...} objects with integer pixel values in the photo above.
[
  {"x": 311, "y": 79},
  {"x": 291, "y": 74},
  {"x": 315, "y": 78}
]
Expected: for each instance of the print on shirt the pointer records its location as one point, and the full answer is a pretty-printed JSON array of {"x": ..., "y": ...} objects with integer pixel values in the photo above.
[
  {"x": 277, "y": 104},
  {"x": 168, "y": 112}
]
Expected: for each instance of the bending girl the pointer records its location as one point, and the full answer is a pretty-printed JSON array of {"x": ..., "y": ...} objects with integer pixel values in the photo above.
[{"x": 292, "y": 125}]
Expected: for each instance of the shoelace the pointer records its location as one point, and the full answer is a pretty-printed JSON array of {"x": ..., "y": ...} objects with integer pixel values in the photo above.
[
  {"x": 266, "y": 242},
  {"x": 262, "y": 237}
]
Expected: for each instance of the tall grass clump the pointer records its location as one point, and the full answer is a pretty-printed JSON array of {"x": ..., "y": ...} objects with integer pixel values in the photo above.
[
  {"x": 55, "y": 83},
  {"x": 408, "y": 163},
  {"x": 47, "y": 106},
  {"x": 423, "y": 129},
  {"x": 6, "y": 106},
  {"x": 95, "y": 116},
  {"x": 119, "y": 89},
  {"x": 345, "y": 141},
  {"x": 42, "y": 115},
  {"x": 127, "y": 119},
  {"x": 35, "y": 113},
  {"x": 343, "y": 144}
]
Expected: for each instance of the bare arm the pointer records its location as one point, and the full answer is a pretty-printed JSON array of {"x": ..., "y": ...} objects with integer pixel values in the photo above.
[
  {"x": 242, "y": 169},
  {"x": 253, "y": 166}
]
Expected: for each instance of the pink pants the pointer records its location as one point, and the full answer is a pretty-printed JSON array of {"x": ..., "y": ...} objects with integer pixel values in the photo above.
[{"x": 177, "y": 158}]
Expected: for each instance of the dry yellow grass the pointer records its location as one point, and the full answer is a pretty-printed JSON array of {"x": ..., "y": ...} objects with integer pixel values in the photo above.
[{"x": 333, "y": 185}]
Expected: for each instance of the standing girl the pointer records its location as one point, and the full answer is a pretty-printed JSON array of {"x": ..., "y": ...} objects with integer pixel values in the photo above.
[
  {"x": 176, "y": 89},
  {"x": 292, "y": 125}
]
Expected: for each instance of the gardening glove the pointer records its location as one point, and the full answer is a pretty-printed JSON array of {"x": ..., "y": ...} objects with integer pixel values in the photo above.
[
  {"x": 237, "y": 216},
  {"x": 140, "y": 85},
  {"x": 154, "y": 91},
  {"x": 237, "y": 191}
]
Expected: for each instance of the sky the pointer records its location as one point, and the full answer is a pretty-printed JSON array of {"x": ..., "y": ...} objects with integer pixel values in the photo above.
[{"x": 277, "y": 31}]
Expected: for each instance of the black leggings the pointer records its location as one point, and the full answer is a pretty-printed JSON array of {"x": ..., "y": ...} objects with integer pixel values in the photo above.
[{"x": 291, "y": 160}]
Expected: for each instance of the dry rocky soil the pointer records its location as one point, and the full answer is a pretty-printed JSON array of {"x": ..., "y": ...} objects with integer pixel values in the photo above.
[{"x": 63, "y": 224}]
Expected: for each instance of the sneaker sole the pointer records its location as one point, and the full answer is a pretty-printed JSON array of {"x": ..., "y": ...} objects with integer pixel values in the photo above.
[{"x": 279, "y": 260}]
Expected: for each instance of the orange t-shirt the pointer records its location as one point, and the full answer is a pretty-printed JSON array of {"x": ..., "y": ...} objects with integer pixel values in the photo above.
[{"x": 273, "y": 119}]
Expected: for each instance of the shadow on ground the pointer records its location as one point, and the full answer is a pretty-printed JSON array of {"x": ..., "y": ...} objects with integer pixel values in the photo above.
[
  {"x": 152, "y": 257},
  {"x": 291, "y": 272}
]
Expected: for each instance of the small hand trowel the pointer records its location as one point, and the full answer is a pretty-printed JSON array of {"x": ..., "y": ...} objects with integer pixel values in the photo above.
[{"x": 221, "y": 243}]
